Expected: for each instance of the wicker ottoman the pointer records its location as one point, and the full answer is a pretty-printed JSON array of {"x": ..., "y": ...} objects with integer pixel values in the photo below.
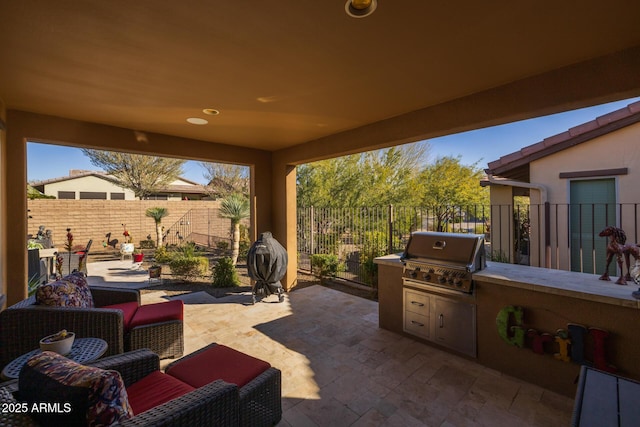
[{"x": 259, "y": 383}]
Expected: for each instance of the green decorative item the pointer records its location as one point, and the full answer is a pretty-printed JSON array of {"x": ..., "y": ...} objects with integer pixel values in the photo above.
[{"x": 512, "y": 335}]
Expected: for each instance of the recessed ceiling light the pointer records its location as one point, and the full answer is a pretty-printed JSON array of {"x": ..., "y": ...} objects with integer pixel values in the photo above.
[
  {"x": 197, "y": 121},
  {"x": 211, "y": 111},
  {"x": 360, "y": 8}
]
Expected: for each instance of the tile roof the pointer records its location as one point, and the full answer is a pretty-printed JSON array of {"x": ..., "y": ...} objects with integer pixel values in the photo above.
[{"x": 576, "y": 135}]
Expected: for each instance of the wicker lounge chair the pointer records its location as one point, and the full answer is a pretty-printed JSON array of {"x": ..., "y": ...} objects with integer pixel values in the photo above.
[
  {"x": 215, "y": 404},
  {"x": 25, "y": 323}
]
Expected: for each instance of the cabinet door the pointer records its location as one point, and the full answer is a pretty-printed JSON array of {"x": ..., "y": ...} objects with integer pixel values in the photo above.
[{"x": 455, "y": 325}]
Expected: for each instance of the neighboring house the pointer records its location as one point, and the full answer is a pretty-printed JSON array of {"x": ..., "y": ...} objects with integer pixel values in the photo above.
[
  {"x": 84, "y": 185},
  {"x": 579, "y": 182}
]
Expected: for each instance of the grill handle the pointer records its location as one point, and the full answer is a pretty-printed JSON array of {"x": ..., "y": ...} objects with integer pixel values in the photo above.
[
  {"x": 439, "y": 245},
  {"x": 441, "y": 320},
  {"x": 419, "y": 304}
]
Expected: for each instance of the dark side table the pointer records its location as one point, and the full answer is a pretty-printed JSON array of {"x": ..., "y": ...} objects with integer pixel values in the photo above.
[
  {"x": 606, "y": 400},
  {"x": 83, "y": 350}
]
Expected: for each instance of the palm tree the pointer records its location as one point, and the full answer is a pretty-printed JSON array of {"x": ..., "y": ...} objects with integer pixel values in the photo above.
[
  {"x": 157, "y": 214},
  {"x": 236, "y": 208}
]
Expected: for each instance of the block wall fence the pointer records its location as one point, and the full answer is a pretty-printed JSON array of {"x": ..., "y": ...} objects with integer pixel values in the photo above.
[{"x": 94, "y": 219}]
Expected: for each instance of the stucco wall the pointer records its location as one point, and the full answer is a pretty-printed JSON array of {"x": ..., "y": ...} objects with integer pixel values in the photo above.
[
  {"x": 619, "y": 149},
  {"x": 89, "y": 184},
  {"x": 615, "y": 150},
  {"x": 93, "y": 219}
]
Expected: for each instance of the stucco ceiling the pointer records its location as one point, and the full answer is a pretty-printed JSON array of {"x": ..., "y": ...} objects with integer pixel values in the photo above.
[{"x": 285, "y": 72}]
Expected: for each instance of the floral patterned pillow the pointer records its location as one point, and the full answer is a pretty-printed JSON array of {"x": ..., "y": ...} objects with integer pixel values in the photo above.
[
  {"x": 86, "y": 395},
  {"x": 70, "y": 291}
]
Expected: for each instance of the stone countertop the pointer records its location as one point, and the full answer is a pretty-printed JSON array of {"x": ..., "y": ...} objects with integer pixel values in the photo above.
[{"x": 557, "y": 282}]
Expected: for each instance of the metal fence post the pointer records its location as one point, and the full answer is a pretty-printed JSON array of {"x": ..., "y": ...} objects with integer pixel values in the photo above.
[
  {"x": 311, "y": 240},
  {"x": 390, "y": 230}
]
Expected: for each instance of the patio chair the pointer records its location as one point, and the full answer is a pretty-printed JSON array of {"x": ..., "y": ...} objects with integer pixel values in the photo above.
[
  {"x": 156, "y": 399},
  {"x": 158, "y": 327}
]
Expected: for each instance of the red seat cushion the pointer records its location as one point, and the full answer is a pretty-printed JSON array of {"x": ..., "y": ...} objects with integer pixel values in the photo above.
[
  {"x": 155, "y": 389},
  {"x": 218, "y": 362},
  {"x": 160, "y": 312},
  {"x": 128, "y": 310}
]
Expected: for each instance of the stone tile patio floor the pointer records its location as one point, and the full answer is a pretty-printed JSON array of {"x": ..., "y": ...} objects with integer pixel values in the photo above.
[{"x": 340, "y": 369}]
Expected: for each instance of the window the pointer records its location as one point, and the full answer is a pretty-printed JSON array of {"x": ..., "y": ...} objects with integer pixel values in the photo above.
[
  {"x": 91, "y": 195},
  {"x": 67, "y": 195},
  {"x": 117, "y": 196}
]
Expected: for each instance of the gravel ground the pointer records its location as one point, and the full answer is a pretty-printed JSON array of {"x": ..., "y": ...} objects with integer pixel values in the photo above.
[{"x": 177, "y": 287}]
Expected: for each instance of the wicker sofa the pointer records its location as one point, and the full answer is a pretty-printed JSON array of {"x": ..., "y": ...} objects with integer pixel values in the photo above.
[
  {"x": 22, "y": 325},
  {"x": 215, "y": 404}
]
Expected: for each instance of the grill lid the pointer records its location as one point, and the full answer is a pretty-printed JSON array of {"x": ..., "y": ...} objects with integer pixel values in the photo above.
[{"x": 459, "y": 249}]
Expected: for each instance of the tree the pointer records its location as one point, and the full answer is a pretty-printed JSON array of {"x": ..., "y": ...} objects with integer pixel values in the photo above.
[
  {"x": 157, "y": 214},
  {"x": 144, "y": 175},
  {"x": 236, "y": 208},
  {"x": 446, "y": 186},
  {"x": 226, "y": 179},
  {"x": 375, "y": 178}
]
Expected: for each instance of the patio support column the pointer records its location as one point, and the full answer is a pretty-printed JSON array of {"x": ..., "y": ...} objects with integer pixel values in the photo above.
[
  {"x": 284, "y": 216},
  {"x": 14, "y": 215}
]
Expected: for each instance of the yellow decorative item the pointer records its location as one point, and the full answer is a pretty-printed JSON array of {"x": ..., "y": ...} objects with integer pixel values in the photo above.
[{"x": 60, "y": 342}]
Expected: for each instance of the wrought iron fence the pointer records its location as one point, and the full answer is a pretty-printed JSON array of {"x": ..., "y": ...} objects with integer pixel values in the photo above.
[
  {"x": 358, "y": 235},
  {"x": 558, "y": 236}
]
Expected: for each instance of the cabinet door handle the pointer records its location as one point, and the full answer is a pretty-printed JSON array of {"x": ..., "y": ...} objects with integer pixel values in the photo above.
[
  {"x": 417, "y": 323},
  {"x": 419, "y": 304},
  {"x": 441, "y": 319}
]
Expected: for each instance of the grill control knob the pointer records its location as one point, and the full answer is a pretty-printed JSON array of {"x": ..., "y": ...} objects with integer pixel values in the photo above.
[
  {"x": 458, "y": 282},
  {"x": 442, "y": 279},
  {"x": 426, "y": 277},
  {"x": 414, "y": 273}
]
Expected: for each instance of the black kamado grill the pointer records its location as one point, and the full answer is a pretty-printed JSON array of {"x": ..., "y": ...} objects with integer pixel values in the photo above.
[{"x": 267, "y": 264}]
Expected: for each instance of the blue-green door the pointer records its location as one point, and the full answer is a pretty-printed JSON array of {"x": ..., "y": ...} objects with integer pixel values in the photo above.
[{"x": 593, "y": 208}]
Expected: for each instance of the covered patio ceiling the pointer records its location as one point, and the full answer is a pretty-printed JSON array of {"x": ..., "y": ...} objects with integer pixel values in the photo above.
[{"x": 288, "y": 73}]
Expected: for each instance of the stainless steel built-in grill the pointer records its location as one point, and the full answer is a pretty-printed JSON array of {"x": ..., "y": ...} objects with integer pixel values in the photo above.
[{"x": 444, "y": 260}]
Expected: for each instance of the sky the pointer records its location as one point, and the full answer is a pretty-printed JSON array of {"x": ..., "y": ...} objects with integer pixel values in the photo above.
[{"x": 478, "y": 147}]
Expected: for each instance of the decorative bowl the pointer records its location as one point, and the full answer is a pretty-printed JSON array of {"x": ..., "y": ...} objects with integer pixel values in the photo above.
[{"x": 58, "y": 343}]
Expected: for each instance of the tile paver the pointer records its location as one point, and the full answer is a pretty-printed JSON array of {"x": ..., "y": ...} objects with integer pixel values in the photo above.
[{"x": 339, "y": 368}]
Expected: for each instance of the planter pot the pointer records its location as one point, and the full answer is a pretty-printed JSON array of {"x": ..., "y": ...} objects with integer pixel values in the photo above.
[
  {"x": 138, "y": 257},
  {"x": 154, "y": 272},
  {"x": 56, "y": 344}
]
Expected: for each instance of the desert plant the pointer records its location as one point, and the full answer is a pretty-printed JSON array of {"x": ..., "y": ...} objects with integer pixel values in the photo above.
[
  {"x": 225, "y": 274},
  {"x": 236, "y": 208},
  {"x": 185, "y": 267},
  {"x": 325, "y": 265},
  {"x": 374, "y": 245},
  {"x": 157, "y": 214},
  {"x": 499, "y": 256},
  {"x": 162, "y": 255}
]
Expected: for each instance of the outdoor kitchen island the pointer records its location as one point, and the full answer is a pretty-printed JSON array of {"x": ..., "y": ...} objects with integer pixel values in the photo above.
[{"x": 536, "y": 324}]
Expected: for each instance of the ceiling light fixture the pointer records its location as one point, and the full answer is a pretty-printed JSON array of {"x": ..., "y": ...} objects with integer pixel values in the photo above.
[
  {"x": 197, "y": 121},
  {"x": 211, "y": 111},
  {"x": 360, "y": 8}
]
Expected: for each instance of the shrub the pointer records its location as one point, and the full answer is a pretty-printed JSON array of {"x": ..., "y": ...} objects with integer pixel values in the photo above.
[
  {"x": 147, "y": 244},
  {"x": 162, "y": 255},
  {"x": 225, "y": 274},
  {"x": 222, "y": 245},
  {"x": 186, "y": 267},
  {"x": 325, "y": 265}
]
